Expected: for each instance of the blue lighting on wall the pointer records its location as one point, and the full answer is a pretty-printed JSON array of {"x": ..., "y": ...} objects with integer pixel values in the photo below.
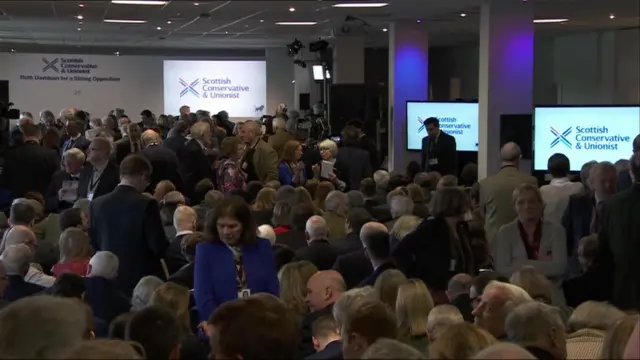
[{"x": 411, "y": 77}]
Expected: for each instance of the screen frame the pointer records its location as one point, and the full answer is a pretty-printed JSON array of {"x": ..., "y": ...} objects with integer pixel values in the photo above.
[
  {"x": 533, "y": 114},
  {"x": 406, "y": 112}
]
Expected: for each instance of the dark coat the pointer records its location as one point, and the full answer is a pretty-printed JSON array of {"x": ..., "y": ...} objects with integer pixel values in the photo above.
[
  {"x": 444, "y": 150},
  {"x": 165, "y": 165},
  {"x": 17, "y": 288},
  {"x": 321, "y": 253},
  {"x": 357, "y": 163},
  {"x": 106, "y": 301},
  {"x": 29, "y": 167},
  {"x": 576, "y": 222},
  {"x": 354, "y": 268},
  {"x": 371, "y": 279},
  {"x": 109, "y": 179}
]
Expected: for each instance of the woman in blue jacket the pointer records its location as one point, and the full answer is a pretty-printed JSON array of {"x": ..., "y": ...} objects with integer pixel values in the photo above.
[
  {"x": 291, "y": 169},
  {"x": 233, "y": 263}
]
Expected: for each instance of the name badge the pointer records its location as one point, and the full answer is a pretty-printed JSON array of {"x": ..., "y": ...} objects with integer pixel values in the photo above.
[
  {"x": 244, "y": 293},
  {"x": 90, "y": 196},
  {"x": 433, "y": 161}
]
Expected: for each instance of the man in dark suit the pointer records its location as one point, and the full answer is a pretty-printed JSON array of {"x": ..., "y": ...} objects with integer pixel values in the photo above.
[
  {"x": 624, "y": 177},
  {"x": 326, "y": 339},
  {"x": 184, "y": 221},
  {"x": 102, "y": 176},
  {"x": 583, "y": 214},
  {"x": 319, "y": 251},
  {"x": 130, "y": 142},
  {"x": 619, "y": 245},
  {"x": 354, "y": 267},
  {"x": 176, "y": 139},
  {"x": 76, "y": 140},
  {"x": 196, "y": 164},
  {"x": 55, "y": 199},
  {"x": 101, "y": 295},
  {"x": 164, "y": 162},
  {"x": 366, "y": 143},
  {"x": 29, "y": 167},
  {"x": 296, "y": 238},
  {"x": 458, "y": 294},
  {"x": 353, "y": 158},
  {"x": 377, "y": 245},
  {"x": 438, "y": 150},
  {"x": 17, "y": 260},
  {"x": 128, "y": 224},
  {"x": 356, "y": 218}
]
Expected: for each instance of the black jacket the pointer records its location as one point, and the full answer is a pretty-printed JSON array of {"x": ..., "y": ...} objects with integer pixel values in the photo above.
[
  {"x": 463, "y": 303},
  {"x": 165, "y": 165},
  {"x": 29, "y": 167},
  {"x": 368, "y": 144},
  {"x": 333, "y": 351},
  {"x": 51, "y": 199},
  {"x": 358, "y": 164},
  {"x": 195, "y": 165},
  {"x": 444, "y": 150},
  {"x": 184, "y": 276},
  {"x": 320, "y": 252},
  {"x": 109, "y": 179},
  {"x": 128, "y": 224},
  {"x": 106, "y": 301},
  {"x": 17, "y": 288},
  {"x": 371, "y": 279},
  {"x": 174, "y": 258},
  {"x": 175, "y": 143},
  {"x": 354, "y": 268},
  {"x": 295, "y": 239}
]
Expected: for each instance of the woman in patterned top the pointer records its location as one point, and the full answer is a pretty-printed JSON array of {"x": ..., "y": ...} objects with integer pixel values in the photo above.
[{"x": 230, "y": 175}]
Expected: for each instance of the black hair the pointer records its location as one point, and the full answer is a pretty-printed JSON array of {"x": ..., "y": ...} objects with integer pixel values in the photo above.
[
  {"x": 432, "y": 121},
  {"x": 349, "y": 136},
  {"x": 70, "y": 218},
  {"x": 356, "y": 123},
  {"x": 558, "y": 165},
  {"x": 282, "y": 255},
  {"x": 68, "y": 285},
  {"x": 156, "y": 329}
]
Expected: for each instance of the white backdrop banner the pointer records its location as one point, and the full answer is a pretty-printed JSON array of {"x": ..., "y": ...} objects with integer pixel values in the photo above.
[
  {"x": 95, "y": 83},
  {"x": 239, "y": 87}
]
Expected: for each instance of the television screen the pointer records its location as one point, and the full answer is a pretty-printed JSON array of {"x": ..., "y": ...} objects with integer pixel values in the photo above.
[
  {"x": 458, "y": 119},
  {"x": 600, "y": 133}
]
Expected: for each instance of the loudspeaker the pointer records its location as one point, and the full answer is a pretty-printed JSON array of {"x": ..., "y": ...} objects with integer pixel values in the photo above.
[{"x": 519, "y": 129}]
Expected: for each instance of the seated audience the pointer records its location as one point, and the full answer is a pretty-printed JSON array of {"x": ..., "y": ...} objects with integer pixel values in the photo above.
[
  {"x": 184, "y": 224},
  {"x": 296, "y": 237},
  {"x": 587, "y": 327},
  {"x": 460, "y": 341},
  {"x": 143, "y": 291},
  {"x": 420, "y": 205},
  {"x": 413, "y": 305},
  {"x": 336, "y": 206},
  {"x": 293, "y": 279},
  {"x": 440, "y": 319},
  {"x": 618, "y": 336},
  {"x": 163, "y": 188},
  {"x": 281, "y": 214},
  {"x": 157, "y": 330},
  {"x": 504, "y": 350},
  {"x": 362, "y": 324},
  {"x": 593, "y": 283},
  {"x": 447, "y": 181},
  {"x": 104, "y": 349},
  {"x": 321, "y": 193},
  {"x": 458, "y": 289},
  {"x": 539, "y": 329},
  {"x": 105, "y": 300},
  {"x": 355, "y": 199},
  {"x": 22, "y": 235},
  {"x": 209, "y": 202},
  {"x": 391, "y": 349},
  {"x": 75, "y": 252},
  {"x": 356, "y": 218},
  {"x": 496, "y": 303},
  {"x": 326, "y": 339},
  {"x": 381, "y": 178},
  {"x": 399, "y": 205},
  {"x": 530, "y": 239},
  {"x": 168, "y": 207},
  {"x": 262, "y": 207},
  {"x": 17, "y": 261},
  {"x": 534, "y": 283},
  {"x": 387, "y": 285},
  {"x": 319, "y": 250}
]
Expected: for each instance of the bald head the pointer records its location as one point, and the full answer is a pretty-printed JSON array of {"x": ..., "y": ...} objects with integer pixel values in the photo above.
[
  {"x": 150, "y": 137},
  {"x": 20, "y": 235},
  {"x": 324, "y": 288},
  {"x": 185, "y": 218},
  {"x": 329, "y": 278},
  {"x": 316, "y": 228},
  {"x": 372, "y": 227},
  {"x": 510, "y": 152},
  {"x": 17, "y": 259},
  {"x": 504, "y": 351}
]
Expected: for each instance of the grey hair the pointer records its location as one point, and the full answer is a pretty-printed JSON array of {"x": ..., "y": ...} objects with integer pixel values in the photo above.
[
  {"x": 41, "y": 327},
  {"x": 504, "y": 350},
  {"x": 400, "y": 205},
  {"x": 381, "y": 178},
  {"x": 356, "y": 199},
  {"x": 531, "y": 321},
  {"x": 441, "y": 317},
  {"x": 594, "y": 315},
  {"x": 104, "y": 264},
  {"x": 329, "y": 145},
  {"x": 95, "y": 122},
  {"x": 143, "y": 291},
  {"x": 335, "y": 200},
  {"x": 17, "y": 259},
  {"x": 350, "y": 300},
  {"x": 404, "y": 226},
  {"x": 391, "y": 349},
  {"x": 199, "y": 129},
  {"x": 278, "y": 123},
  {"x": 84, "y": 205},
  {"x": 316, "y": 228},
  {"x": 75, "y": 153},
  {"x": 515, "y": 295},
  {"x": 266, "y": 232}
]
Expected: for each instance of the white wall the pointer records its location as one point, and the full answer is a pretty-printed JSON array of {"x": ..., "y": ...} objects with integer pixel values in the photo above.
[{"x": 140, "y": 84}]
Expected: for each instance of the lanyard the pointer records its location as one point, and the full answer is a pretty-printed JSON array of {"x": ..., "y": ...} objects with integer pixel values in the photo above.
[
  {"x": 241, "y": 279},
  {"x": 93, "y": 182}
]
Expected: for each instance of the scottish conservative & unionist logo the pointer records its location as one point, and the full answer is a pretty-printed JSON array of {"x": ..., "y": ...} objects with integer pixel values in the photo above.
[
  {"x": 589, "y": 138},
  {"x": 208, "y": 88},
  {"x": 450, "y": 125}
]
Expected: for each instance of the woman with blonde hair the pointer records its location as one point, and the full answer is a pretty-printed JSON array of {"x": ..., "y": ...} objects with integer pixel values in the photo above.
[
  {"x": 420, "y": 208},
  {"x": 460, "y": 341},
  {"x": 617, "y": 337},
  {"x": 175, "y": 299},
  {"x": 587, "y": 327},
  {"x": 387, "y": 285},
  {"x": 293, "y": 279},
  {"x": 413, "y": 305},
  {"x": 75, "y": 253}
]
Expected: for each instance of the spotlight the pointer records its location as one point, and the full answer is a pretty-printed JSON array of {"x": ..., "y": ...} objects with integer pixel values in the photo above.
[
  {"x": 295, "y": 47},
  {"x": 117, "y": 53},
  {"x": 612, "y": 16},
  {"x": 318, "y": 46}
]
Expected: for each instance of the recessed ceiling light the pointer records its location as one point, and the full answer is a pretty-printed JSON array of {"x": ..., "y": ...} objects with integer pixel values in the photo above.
[
  {"x": 139, "y": 2},
  {"x": 81, "y": 5},
  {"x": 292, "y": 9},
  {"x": 296, "y": 23},
  {"x": 612, "y": 16},
  {"x": 196, "y": 4},
  {"x": 123, "y": 21},
  {"x": 80, "y": 22},
  {"x": 361, "y": 5},
  {"x": 385, "y": 30},
  {"x": 418, "y": 21},
  {"x": 463, "y": 15},
  {"x": 549, "y": 21},
  {"x": 261, "y": 20},
  {"x": 226, "y": 32},
  {"x": 168, "y": 21},
  {"x": 158, "y": 28},
  {"x": 79, "y": 29},
  {"x": 80, "y": 17}
]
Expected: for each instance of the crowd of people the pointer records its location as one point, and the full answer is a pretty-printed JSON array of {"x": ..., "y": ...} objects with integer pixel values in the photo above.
[{"x": 192, "y": 237}]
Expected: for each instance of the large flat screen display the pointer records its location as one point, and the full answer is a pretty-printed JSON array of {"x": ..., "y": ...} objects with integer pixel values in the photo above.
[
  {"x": 456, "y": 118},
  {"x": 239, "y": 87},
  {"x": 584, "y": 133}
]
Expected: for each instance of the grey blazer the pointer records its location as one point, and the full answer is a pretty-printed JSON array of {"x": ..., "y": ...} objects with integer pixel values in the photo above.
[{"x": 509, "y": 253}]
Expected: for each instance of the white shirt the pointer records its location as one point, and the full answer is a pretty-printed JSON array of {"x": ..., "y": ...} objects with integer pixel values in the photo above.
[
  {"x": 37, "y": 277},
  {"x": 183, "y": 232},
  {"x": 556, "y": 197}
]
